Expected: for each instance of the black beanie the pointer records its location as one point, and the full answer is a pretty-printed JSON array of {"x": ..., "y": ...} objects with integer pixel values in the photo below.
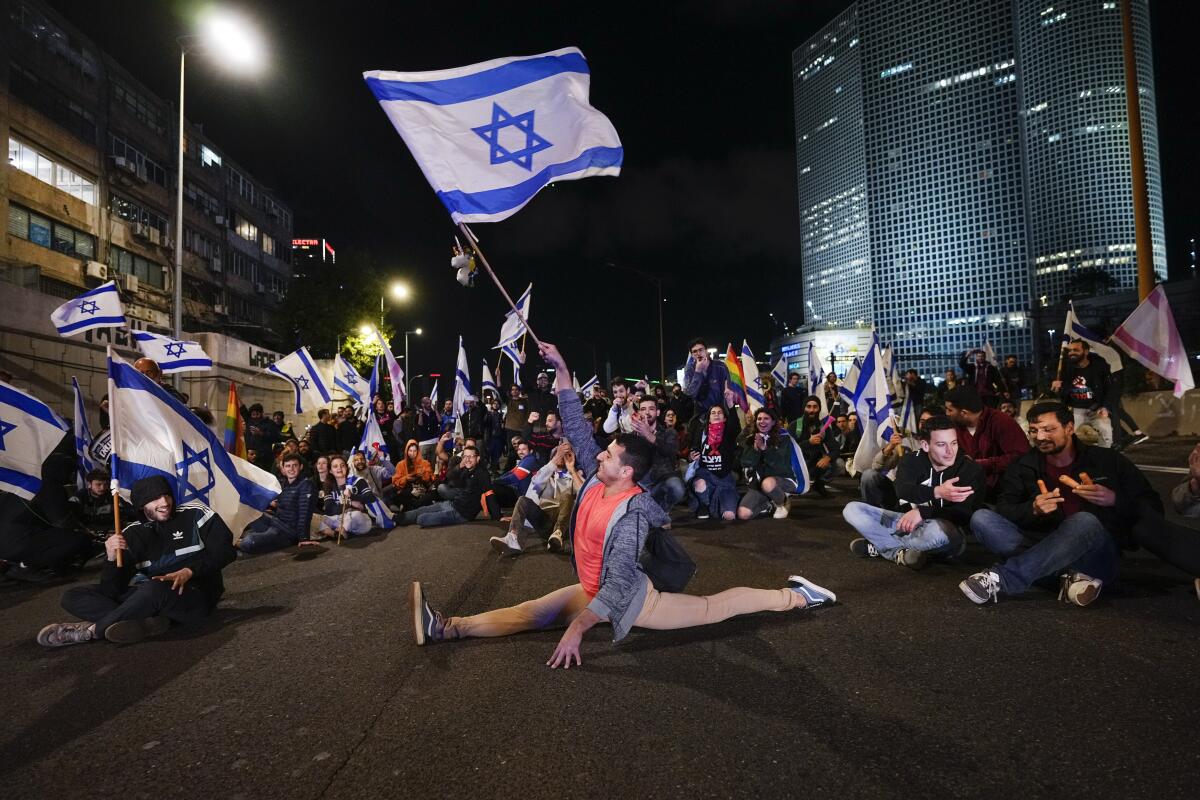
[{"x": 148, "y": 489}]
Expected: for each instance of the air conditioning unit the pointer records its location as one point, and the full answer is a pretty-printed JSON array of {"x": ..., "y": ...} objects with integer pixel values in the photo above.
[
  {"x": 215, "y": 264},
  {"x": 128, "y": 282},
  {"x": 124, "y": 164},
  {"x": 155, "y": 235},
  {"x": 219, "y": 309},
  {"x": 97, "y": 269},
  {"x": 141, "y": 230}
]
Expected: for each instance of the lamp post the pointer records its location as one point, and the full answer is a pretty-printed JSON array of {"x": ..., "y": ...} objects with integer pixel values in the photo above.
[
  {"x": 662, "y": 368},
  {"x": 399, "y": 291},
  {"x": 226, "y": 35},
  {"x": 407, "y": 380}
]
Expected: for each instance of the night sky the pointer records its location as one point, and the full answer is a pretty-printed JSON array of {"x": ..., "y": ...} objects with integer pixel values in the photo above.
[{"x": 699, "y": 92}]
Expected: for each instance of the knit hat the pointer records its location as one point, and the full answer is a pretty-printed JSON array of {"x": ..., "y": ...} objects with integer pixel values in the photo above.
[{"x": 149, "y": 489}]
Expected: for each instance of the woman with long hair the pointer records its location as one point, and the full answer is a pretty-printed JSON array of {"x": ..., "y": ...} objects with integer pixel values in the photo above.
[
  {"x": 714, "y": 452},
  {"x": 346, "y": 502},
  {"x": 767, "y": 456},
  {"x": 413, "y": 479}
]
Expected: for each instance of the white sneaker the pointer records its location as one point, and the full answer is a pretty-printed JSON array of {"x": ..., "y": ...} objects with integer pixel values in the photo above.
[
  {"x": 506, "y": 545},
  {"x": 781, "y": 511},
  {"x": 1079, "y": 588}
]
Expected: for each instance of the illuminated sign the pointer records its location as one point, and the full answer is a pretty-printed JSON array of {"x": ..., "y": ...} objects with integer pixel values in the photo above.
[{"x": 305, "y": 242}]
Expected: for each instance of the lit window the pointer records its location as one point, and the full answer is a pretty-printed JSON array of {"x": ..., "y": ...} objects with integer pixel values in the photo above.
[
  {"x": 246, "y": 229},
  {"x": 30, "y": 161},
  {"x": 209, "y": 158}
]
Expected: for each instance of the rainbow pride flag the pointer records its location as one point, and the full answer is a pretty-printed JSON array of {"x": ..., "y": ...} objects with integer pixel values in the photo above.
[
  {"x": 235, "y": 426},
  {"x": 737, "y": 378}
]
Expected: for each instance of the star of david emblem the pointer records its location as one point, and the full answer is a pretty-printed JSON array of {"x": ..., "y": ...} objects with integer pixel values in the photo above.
[
  {"x": 351, "y": 378},
  {"x": 5, "y": 427},
  {"x": 192, "y": 463},
  {"x": 302, "y": 382},
  {"x": 175, "y": 349},
  {"x": 500, "y": 154},
  {"x": 88, "y": 307}
]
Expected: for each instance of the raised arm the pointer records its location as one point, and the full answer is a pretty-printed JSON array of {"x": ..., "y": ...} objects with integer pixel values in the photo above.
[{"x": 570, "y": 411}]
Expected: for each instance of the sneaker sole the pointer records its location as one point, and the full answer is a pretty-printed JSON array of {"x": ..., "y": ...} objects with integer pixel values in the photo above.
[
  {"x": 416, "y": 599},
  {"x": 1086, "y": 597},
  {"x": 132, "y": 631},
  {"x": 864, "y": 554},
  {"x": 974, "y": 598},
  {"x": 44, "y": 634},
  {"x": 806, "y": 582},
  {"x": 501, "y": 547}
]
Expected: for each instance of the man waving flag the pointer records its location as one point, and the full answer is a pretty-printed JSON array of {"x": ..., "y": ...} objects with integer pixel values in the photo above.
[{"x": 489, "y": 136}]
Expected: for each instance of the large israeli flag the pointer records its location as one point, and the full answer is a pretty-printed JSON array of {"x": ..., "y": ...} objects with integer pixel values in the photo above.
[
  {"x": 873, "y": 402},
  {"x": 29, "y": 432},
  {"x": 514, "y": 326},
  {"x": 172, "y": 355},
  {"x": 489, "y": 136},
  {"x": 462, "y": 381},
  {"x": 346, "y": 378},
  {"x": 299, "y": 370},
  {"x": 83, "y": 438},
  {"x": 155, "y": 434},
  {"x": 99, "y": 308}
]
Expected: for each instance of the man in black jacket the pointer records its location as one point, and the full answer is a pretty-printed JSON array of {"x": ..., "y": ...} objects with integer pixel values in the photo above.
[
  {"x": 469, "y": 480},
  {"x": 938, "y": 488},
  {"x": 287, "y": 521},
  {"x": 663, "y": 481},
  {"x": 1084, "y": 389},
  {"x": 323, "y": 436},
  {"x": 1062, "y": 510},
  {"x": 93, "y": 506},
  {"x": 984, "y": 376},
  {"x": 178, "y": 553},
  {"x": 793, "y": 399}
]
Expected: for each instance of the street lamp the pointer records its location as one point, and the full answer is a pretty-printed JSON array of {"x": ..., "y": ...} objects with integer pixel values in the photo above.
[
  {"x": 237, "y": 46},
  {"x": 407, "y": 366},
  {"x": 662, "y": 367},
  {"x": 399, "y": 291}
]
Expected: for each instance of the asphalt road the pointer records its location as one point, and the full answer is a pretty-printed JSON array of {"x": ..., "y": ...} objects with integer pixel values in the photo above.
[{"x": 307, "y": 684}]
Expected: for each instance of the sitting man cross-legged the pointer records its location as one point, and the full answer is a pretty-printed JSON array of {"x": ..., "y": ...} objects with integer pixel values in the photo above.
[
  {"x": 1062, "y": 510},
  {"x": 174, "y": 557},
  {"x": 939, "y": 487},
  {"x": 609, "y": 526},
  {"x": 287, "y": 523},
  {"x": 547, "y": 504},
  {"x": 465, "y": 484}
]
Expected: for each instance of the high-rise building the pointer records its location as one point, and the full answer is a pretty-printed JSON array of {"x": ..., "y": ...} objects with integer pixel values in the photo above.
[{"x": 960, "y": 163}]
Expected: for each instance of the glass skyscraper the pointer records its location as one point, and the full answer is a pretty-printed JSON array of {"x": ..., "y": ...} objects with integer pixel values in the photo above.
[{"x": 933, "y": 205}]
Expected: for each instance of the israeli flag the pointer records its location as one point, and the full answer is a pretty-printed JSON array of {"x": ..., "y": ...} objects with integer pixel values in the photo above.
[
  {"x": 155, "y": 434},
  {"x": 779, "y": 371},
  {"x": 489, "y": 136},
  {"x": 99, "y": 308},
  {"x": 487, "y": 382},
  {"x": 433, "y": 396},
  {"x": 29, "y": 432},
  {"x": 1074, "y": 329},
  {"x": 799, "y": 465},
  {"x": 462, "y": 380},
  {"x": 373, "y": 385},
  {"x": 346, "y": 378},
  {"x": 394, "y": 371},
  {"x": 299, "y": 370},
  {"x": 372, "y": 440},
  {"x": 83, "y": 438},
  {"x": 172, "y": 355},
  {"x": 515, "y": 358},
  {"x": 514, "y": 326},
  {"x": 873, "y": 402},
  {"x": 849, "y": 387},
  {"x": 586, "y": 389},
  {"x": 754, "y": 391},
  {"x": 816, "y": 377}
]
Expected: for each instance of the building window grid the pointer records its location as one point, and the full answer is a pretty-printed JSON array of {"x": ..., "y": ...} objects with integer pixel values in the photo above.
[
  {"x": 32, "y": 161},
  {"x": 41, "y": 230},
  {"x": 133, "y": 211},
  {"x": 146, "y": 167}
]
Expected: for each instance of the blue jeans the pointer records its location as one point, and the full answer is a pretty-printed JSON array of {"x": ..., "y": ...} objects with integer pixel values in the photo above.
[
  {"x": 878, "y": 526},
  {"x": 443, "y": 513},
  {"x": 878, "y": 490},
  {"x": 1080, "y": 544},
  {"x": 720, "y": 494},
  {"x": 667, "y": 492},
  {"x": 265, "y": 534}
]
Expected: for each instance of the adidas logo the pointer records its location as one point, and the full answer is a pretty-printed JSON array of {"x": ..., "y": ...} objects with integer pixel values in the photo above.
[{"x": 177, "y": 535}]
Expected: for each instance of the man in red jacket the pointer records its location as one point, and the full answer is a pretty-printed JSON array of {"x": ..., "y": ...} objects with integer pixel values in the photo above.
[{"x": 992, "y": 439}]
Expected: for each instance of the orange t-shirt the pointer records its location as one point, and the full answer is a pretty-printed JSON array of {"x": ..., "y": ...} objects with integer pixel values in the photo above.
[{"x": 591, "y": 521}]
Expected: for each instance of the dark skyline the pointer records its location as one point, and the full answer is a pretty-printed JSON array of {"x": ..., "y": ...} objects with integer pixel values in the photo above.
[{"x": 700, "y": 94}]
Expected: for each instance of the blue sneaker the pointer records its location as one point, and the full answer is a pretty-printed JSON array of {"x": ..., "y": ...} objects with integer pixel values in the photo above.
[{"x": 813, "y": 595}]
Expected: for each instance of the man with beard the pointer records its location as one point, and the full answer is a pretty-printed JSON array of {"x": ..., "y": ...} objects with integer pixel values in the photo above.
[
  {"x": 1084, "y": 388},
  {"x": 1062, "y": 511},
  {"x": 819, "y": 442},
  {"x": 666, "y": 487},
  {"x": 177, "y": 552}
]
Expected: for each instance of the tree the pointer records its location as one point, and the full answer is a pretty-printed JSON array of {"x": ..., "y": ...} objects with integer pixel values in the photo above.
[
  {"x": 360, "y": 349},
  {"x": 331, "y": 302}
]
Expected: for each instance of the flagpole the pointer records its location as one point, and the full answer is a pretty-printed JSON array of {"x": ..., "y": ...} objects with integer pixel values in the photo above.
[
  {"x": 112, "y": 456},
  {"x": 475, "y": 246},
  {"x": 117, "y": 516}
]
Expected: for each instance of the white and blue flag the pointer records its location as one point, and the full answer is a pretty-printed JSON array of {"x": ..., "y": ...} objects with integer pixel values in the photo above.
[
  {"x": 754, "y": 388},
  {"x": 172, "y": 355},
  {"x": 29, "y": 432},
  {"x": 873, "y": 402},
  {"x": 487, "y": 382},
  {"x": 462, "y": 381},
  {"x": 489, "y": 136},
  {"x": 779, "y": 371},
  {"x": 515, "y": 358},
  {"x": 433, "y": 396},
  {"x": 373, "y": 384},
  {"x": 373, "y": 442},
  {"x": 300, "y": 371},
  {"x": 395, "y": 373},
  {"x": 346, "y": 378},
  {"x": 155, "y": 434},
  {"x": 99, "y": 308},
  {"x": 849, "y": 387},
  {"x": 799, "y": 465},
  {"x": 816, "y": 377},
  {"x": 588, "y": 387},
  {"x": 1074, "y": 329},
  {"x": 514, "y": 326},
  {"x": 83, "y": 438}
]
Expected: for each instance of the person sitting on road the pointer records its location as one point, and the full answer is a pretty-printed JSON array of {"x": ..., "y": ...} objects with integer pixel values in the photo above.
[
  {"x": 663, "y": 481},
  {"x": 876, "y": 484},
  {"x": 609, "y": 526},
  {"x": 346, "y": 501},
  {"x": 1178, "y": 545},
  {"x": 289, "y": 518},
  {"x": 767, "y": 456},
  {"x": 175, "y": 553},
  {"x": 849, "y": 435},
  {"x": 619, "y": 416},
  {"x": 938, "y": 488},
  {"x": 467, "y": 482},
  {"x": 820, "y": 442},
  {"x": 413, "y": 478},
  {"x": 546, "y": 506},
  {"x": 990, "y": 438},
  {"x": 543, "y": 433},
  {"x": 1071, "y": 530},
  {"x": 513, "y": 484},
  {"x": 714, "y": 454},
  {"x": 93, "y": 507}
]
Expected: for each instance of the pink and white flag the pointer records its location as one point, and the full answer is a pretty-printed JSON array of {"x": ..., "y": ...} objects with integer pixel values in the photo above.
[{"x": 1150, "y": 337}]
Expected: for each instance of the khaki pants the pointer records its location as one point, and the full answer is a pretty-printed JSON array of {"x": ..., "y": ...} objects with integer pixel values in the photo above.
[{"x": 661, "y": 611}]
